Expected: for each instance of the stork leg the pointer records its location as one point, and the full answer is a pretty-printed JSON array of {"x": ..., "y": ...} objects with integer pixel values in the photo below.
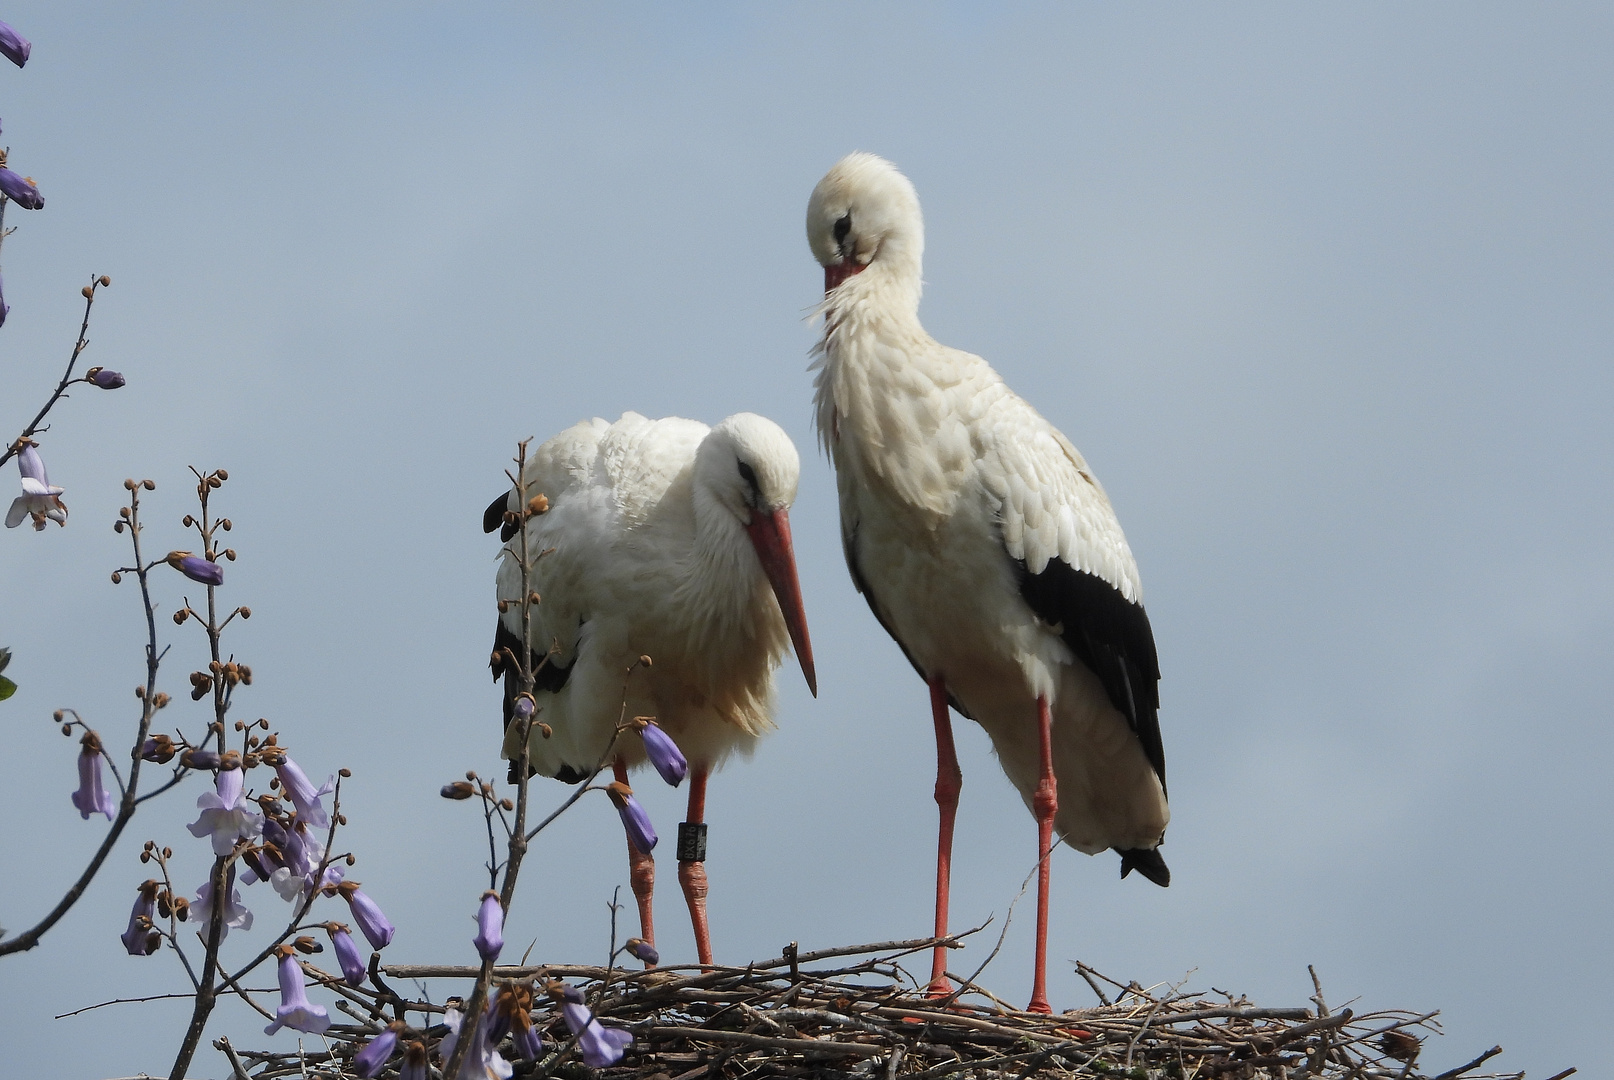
[
  {"x": 948, "y": 782},
  {"x": 692, "y": 862},
  {"x": 641, "y": 872},
  {"x": 1045, "y": 803}
]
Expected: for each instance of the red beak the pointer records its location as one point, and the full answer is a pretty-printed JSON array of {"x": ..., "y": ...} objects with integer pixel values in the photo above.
[
  {"x": 839, "y": 272},
  {"x": 770, "y": 535}
]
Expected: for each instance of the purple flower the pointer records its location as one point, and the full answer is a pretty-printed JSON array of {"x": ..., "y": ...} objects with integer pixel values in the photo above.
[
  {"x": 527, "y": 1042},
  {"x": 235, "y": 914},
  {"x": 414, "y": 1066},
  {"x": 227, "y": 815},
  {"x": 20, "y": 189},
  {"x": 375, "y": 925},
  {"x": 663, "y": 753},
  {"x": 142, "y": 939},
  {"x": 298, "y": 857},
  {"x": 198, "y": 758},
  {"x": 479, "y": 1061},
  {"x": 601, "y": 1046},
  {"x": 39, "y": 499},
  {"x": 159, "y": 749},
  {"x": 634, "y": 819},
  {"x": 301, "y": 791},
  {"x": 347, "y": 954},
  {"x": 13, "y": 46},
  {"x": 196, "y": 568},
  {"x": 524, "y": 707},
  {"x": 368, "y": 1062},
  {"x": 295, "y": 1010},
  {"x": 642, "y": 949},
  {"x": 92, "y": 797},
  {"x": 106, "y": 380},
  {"x": 489, "y": 926}
]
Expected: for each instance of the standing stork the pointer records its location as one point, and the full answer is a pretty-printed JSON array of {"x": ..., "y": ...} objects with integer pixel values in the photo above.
[
  {"x": 986, "y": 548},
  {"x": 667, "y": 539}
]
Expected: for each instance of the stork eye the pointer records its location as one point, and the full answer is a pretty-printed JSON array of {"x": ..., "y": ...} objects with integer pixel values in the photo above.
[
  {"x": 749, "y": 475},
  {"x": 842, "y": 227}
]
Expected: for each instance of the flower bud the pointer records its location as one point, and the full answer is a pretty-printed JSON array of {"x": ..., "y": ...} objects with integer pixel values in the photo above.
[
  {"x": 196, "y": 568},
  {"x": 459, "y": 790},
  {"x": 106, "y": 380}
]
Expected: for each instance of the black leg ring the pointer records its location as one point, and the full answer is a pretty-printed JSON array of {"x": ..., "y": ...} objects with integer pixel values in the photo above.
[{"x": 691, "y": 841}]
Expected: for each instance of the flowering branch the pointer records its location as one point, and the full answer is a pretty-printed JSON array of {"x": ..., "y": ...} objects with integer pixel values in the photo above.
[
  {"x": 67, "y": 376},
  {"x": 150, "y": 702}
]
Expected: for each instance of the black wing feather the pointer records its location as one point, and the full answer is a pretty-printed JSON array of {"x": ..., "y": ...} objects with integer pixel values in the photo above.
[
  {"x": 493, "y": 518},
  {"x": 1111, "y": 636},
  {"x": 546, "y": 675}
]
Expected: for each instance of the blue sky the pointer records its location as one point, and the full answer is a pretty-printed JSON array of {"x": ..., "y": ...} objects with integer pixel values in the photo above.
[{"x": 1322, "y": 295}]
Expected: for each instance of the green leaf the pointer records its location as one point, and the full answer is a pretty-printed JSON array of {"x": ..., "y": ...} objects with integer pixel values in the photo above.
[{"x": 7, "y": 688}]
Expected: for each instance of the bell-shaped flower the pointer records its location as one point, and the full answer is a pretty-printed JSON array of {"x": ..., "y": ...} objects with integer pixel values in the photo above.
[
  {"x": 142, "y": 939},
  {"x": 300, "y": 855},
  {"x": 377, "y": 928},
  {"x": 20, "y": 189},
  {"x": 641, "y": 833},
  {"x": 106, "y": 380},
  {"x": 39, "y": 500},
  {"x": 370, "y": 1060},
  {"x": 227, "y": 814},
  {"x": 643, "y": 950},
  {"x": 601, "y": 1046},
  {"x": 92, "y": 797},
  {"x": 13, "y": 46},
  {"x": 347, "y": 953},
  {"x": 196, "y": 568},
  {"x": 526, "y": 1040},
  {"x": 159, "y": 749},
  {"x": 300, "y": 790},
  {"x": 414, "y": 1064},
  {"x": 236, "y": 915},
  {"x": 199, "y": 758},
  {"x": 481, "y": 1062},
  {"x": 295, "y": 1010},
  {"x": 662, "y": 751},
  {"x": 489, "y": 926}
]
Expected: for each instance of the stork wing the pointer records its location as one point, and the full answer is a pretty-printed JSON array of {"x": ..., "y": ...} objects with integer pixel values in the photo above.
[{"x": 1075, "y": 569}]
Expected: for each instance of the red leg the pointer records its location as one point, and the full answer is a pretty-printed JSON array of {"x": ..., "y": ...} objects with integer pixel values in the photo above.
[
  {"x": 692, "y": 871},
  {"x": 948, "y": 782},
  {"x": 1046, "y": 803},
  {"x": 641, "y": 872}
]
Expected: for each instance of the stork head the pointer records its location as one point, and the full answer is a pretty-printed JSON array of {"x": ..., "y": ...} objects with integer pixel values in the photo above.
[
  {"x": 748, "y": 467},
  {"x": 863, "y": 214}
]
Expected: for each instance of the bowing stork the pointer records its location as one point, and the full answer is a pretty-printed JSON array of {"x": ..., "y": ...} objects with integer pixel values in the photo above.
[
  {"x": 667, "y": 539},
  {"x": 986, "y": 547}
]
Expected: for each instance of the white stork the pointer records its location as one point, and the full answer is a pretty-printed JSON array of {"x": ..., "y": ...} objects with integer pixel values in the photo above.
[
  {"x": 668, "y": 539},
  {"x": 986, "y": 548}
]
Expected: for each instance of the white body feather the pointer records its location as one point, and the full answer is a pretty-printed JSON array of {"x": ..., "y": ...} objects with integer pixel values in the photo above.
[
  {"x": 946, "y": 476},
  {"x": 637, "y": 560}
]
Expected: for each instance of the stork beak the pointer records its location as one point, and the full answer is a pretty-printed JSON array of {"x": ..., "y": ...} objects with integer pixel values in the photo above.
[
  {"x": 770, "y": 535},
  {"x": 836, "y": 273}
]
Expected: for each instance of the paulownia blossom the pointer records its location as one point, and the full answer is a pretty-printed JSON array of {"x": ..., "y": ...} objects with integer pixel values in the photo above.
[
  {"x": 92, "y": 797},
  {"x": 196, "y": 568},
  {"x": 641, "y": 833},
  {"x": 489, "y": 926},
  {"x": 21, "y": 189},
  {"x": 370, "y": 1060},
  {"x": 377, "y": 928},
  {"x": 295, "y": 1010},
  {"x": 236, "y": 915},
  {"x": 227, "y": 814},
  {"x": 39, "y": 500},
  {"x": 601, "y": 1046},
  {"x": 142, "y": 939},
  {"x": 13, "y": 46},
  {"x": 662, "y": 752}
]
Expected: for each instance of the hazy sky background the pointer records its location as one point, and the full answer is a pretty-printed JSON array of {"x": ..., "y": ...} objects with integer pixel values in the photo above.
[{"x": 1323, "y": 294}]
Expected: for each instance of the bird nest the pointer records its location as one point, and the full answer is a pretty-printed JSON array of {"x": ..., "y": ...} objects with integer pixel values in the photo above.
[{"x": 856, "y": 1012}]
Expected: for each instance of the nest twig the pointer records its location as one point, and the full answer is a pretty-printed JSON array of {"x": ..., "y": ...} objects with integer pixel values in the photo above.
[{"x": 866, "y": 1018}]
